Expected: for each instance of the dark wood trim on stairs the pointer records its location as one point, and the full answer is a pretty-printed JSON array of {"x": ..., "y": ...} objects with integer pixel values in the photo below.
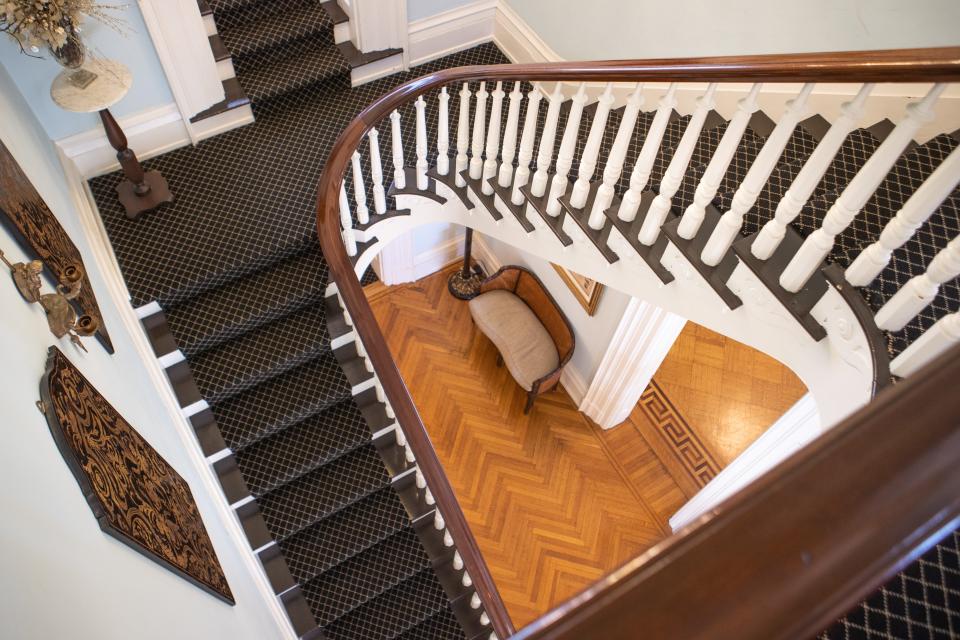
[
  {"x": 356, "y": 58},
  {"x": 220, "y": 51},
  {"x": 336, "y": 14},
  {"x": 903, "y": 483},
  {"x": 234, "y": 96}
]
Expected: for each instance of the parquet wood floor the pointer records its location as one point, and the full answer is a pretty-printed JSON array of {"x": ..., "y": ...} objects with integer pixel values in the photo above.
[
  {"x": 728, "y": 392},
  {"x": 552, "y": 508}
]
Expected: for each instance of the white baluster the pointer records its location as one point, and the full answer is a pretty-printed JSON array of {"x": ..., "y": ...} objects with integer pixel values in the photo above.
[
  {"x": 466, "y": 580},
  {"x": 438, "y": 522},
  {"x": 618, "y": 153},
  {"x": 349, "y": 239},
  {"x": 399, "y": 177},
  {"x": 818, "y": 244},
  {"x": 588, "y": 160},
  {"x": 457, "y": 561},
  {"x": 428, "y": 497},
  {"x": 941, "y": 336},
  {"x": 484, "y": 619},
  {"x": 362, "y": 354},
  {"x": 920, "y": 290},
  {"x": 463, "y": 135},
  {"x": 421, "y": 480},
  {"x": 526, "y": 145},
  {"x": 443, "y": 133},
  {"x": 650, "y": 229},
  {"x": 376, "y": 171},
  {"x": 709, "y": 183},
  {"x": 630, "y": 204},
  {"x": 422, "y": 181},
  {"x": 475, "y": 601},
  {"x": 510, "y": 137},
  {"x": 359, "y": 192},
  {"x": 746, "y": 195},
  {"x": 447, "y": 539},
  {"x": 568, "y": 146},
  {"x": 408, "y": 454},
  {"x": 901, "y": 228},
  {"x": 401, "y": 437},
  {"x": 547, "y": 140},
  {"x": 809, "y": 176},
  {"x": 493, "y": 140},
  {"x": 476, "y": 145}
]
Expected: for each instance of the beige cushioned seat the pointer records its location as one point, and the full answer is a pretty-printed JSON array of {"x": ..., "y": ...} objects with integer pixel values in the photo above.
[{"x": 526, "y": 346}]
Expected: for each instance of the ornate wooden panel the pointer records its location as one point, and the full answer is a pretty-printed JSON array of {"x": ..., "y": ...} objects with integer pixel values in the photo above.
[
  {"x": 136, "y": 496},
  {"x": 30, "y": 220}
]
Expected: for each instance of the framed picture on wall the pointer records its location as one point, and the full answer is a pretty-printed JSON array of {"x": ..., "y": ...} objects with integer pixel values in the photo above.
[{"x": 586, "y": 291}]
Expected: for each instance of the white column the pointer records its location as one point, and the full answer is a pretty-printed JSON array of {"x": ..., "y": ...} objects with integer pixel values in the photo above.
[
  {"x": 510, "y": 137},
  {"x": 346, "y": 222},
  {"x": 901, "y": 228},
  {"x": 493, "y": 140},
  {"x": 568, "y": 145},
  {"x": 359, "y": 192},
  {"x": 638, "y": 347},
  {"x": 463, "y": 135},
  {"x": 728, "y": 228},
  {"x": 797, "y": 427},
  {"x": 693, "y": 217},
  {"x": 618, "y": 153},
  {"x": 443, "y": 132},
  {"x": 920, "y": 290},
  {"x": 526, "y": 145},
  {"x": 547, "y": 140},
  {"x": 421, "y": 108},
  {"x": 941, "y": 336},
  {"x": 588, "y": 161},
  {"x": 630, "y": 204},
  {"x": 809, "y": 176},
  {"x": 399, "y": 178},
  {"x": 650, "y": 230},
  {"x": 376, "y": 172},
  {"x": 818, "y": 244},
  {"x": 479, "y": 122}
]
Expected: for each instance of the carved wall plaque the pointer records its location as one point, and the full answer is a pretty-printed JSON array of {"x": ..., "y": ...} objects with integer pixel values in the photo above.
[
  {"x": 35, "y": 227},
  {"x": 136, "y": 496}
]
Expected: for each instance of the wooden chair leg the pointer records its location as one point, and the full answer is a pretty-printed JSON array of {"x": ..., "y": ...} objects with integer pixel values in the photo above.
[{"x": 530, "y": 398}]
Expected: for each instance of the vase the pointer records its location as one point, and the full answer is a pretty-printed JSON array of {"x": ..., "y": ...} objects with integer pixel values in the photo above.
[{"x": 72, "y": 53}]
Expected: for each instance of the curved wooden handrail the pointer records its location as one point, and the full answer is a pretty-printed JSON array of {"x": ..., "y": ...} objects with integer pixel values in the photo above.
[{"x": 902, "y": 65}]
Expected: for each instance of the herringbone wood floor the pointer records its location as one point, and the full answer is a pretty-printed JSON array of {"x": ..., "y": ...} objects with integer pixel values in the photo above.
[{"x": 552, "y": 510}]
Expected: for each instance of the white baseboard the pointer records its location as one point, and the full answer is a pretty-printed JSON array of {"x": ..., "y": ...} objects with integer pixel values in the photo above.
[
  {"x": 572, "y": 380},
  {"x": 452, "y": 31},
  {"x": 150, "y": 133},
  {"x": 518, "y": 40}
]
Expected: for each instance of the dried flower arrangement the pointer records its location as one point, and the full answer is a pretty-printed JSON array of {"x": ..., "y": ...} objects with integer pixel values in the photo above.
[{"x": 53, "y": 23}]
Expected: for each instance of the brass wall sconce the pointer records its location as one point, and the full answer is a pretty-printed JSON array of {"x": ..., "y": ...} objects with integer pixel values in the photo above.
[{"x": 61, "y": 316}]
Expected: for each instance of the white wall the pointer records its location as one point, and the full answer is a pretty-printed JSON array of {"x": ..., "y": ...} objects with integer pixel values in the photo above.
[
  {"x": 593, "y": 333},
  {"x": 62, "y": 576},
  {"x": 135, "y": 49},
  {"x": 419, "y": 9},
  {"x": 603, "y": 29}
]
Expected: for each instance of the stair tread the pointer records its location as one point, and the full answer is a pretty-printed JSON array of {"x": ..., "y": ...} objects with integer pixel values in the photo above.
[
  {"x": 344, "y": 534},
  {"x": 243, "y": 305},
  {"x": 366, "y": 576},
  {"x": 261, "y": 354},
  {"x": 323, "y": 492},
  {"x": 443, "y": 625},
  {"x": 393, "y": 613},
  {"x": 281, "y": 402},
  {"x": 289, "y": 67},
  {"x": 265, "y": 25},
  {"x": 304, "y": 447}
]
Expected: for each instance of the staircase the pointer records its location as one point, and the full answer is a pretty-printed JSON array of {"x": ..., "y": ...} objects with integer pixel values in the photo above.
[{"x": 347, "y": 511}]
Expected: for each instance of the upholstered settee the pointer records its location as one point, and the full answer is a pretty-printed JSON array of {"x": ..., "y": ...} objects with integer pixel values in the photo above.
[{"x": 534, "y": 338}]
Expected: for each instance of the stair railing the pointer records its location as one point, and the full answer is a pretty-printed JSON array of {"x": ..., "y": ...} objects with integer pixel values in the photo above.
[{"x": 611, "y": 606}]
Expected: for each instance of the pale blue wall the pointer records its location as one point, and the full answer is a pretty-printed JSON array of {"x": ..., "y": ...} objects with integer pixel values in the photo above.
[
  {"x": 419, "y": 9},
  {"x": 602, "y": 29},
  {"x": 135, "y": 49}
]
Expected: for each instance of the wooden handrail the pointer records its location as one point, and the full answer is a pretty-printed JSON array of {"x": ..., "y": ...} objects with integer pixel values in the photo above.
[{"x": 614, "y": 597}]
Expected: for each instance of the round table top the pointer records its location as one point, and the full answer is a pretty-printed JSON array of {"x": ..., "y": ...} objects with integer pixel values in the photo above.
[{"x": 111, "y": 84}]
